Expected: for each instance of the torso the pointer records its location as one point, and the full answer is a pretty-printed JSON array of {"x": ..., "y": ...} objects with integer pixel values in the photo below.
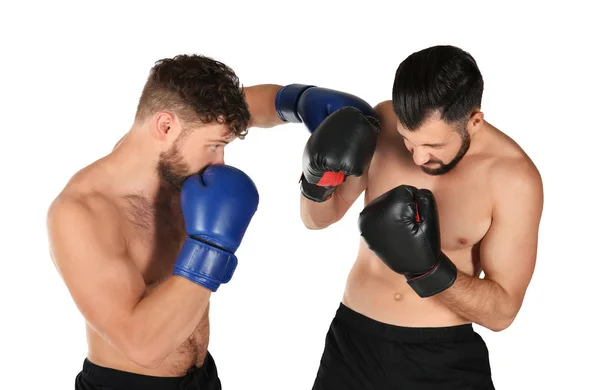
[
  {"x": 154, "y": 232},
  {"x": 465, "y": 208}
]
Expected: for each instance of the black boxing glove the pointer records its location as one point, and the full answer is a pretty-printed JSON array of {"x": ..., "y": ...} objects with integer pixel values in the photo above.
[
  {"x": 402, "y": 228},
  {"x": 341, "y": 146}
]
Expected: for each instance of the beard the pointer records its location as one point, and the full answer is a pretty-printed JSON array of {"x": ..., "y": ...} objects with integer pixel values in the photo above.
[
  {"x": 171, "y": 167},
  {"x": 445, "y": 168}
]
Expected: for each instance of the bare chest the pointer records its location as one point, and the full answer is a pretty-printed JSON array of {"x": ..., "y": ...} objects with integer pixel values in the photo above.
[
  {"x": 155, "y": 236},
  {"x": 155, "y": 232},
  {"x": 463, "y": 202}
]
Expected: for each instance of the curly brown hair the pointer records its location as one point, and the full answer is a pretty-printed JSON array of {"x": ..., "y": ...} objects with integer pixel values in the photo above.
[{"x": 198, "y": 89}]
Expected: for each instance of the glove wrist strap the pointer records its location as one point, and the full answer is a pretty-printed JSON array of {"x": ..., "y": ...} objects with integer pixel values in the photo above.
[
  {"x": 314, "y": 192},
  {"x": 205, "y": 264},
  {"x": 439, "y": 278}
]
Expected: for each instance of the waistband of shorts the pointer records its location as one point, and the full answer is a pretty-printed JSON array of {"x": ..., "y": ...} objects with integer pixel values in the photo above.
[
  {"x": 362, "y": 323},
  {"x": 118, "y": 379}
]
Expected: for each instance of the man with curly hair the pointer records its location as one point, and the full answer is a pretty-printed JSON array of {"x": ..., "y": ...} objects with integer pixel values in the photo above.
[{"x": 142, "y": 237}]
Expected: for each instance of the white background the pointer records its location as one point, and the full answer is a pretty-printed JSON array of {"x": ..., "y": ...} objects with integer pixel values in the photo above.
[{"x": 73, "y": 72}]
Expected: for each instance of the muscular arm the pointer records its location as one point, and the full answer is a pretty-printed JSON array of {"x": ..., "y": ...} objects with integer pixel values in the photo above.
[
  {"x": 91, "y": 256},
  {"x": 508, "y": 252},
  {"x": 261, "y": 102},
  {"x": 321, "y": 215}
]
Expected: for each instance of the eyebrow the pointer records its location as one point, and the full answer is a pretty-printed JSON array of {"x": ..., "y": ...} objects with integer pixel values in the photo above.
[
  {"x": 430, "y": 145},
  {"x": 220, "y": 140}
]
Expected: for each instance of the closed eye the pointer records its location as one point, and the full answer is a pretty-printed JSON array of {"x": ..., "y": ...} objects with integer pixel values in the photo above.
[{"x": 435, "y": 146}]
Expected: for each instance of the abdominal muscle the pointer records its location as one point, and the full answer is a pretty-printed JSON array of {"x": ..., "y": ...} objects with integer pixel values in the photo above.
[{"x": 377, "y": 292}]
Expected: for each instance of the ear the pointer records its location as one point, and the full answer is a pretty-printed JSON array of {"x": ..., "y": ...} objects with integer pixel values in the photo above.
[
  {"x": 475, "y": 122},
  {"x": 163, "y": 125}
]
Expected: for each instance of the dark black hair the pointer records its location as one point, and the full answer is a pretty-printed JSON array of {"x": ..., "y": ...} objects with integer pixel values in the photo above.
[
  {"x": 442, "y": 79},
  {"x": 199, "y": 89}
]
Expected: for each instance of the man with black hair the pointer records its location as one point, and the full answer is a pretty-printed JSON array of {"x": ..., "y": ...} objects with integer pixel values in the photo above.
[{"x": 447, "y": 196}]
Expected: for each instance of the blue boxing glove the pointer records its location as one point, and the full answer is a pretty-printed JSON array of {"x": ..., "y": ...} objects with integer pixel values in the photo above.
[
  {"x": 299, "y": 103},
  {"x": 217, "y": 207}
]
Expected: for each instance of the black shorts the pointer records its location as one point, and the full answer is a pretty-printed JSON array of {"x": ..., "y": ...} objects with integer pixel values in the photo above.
[
  {"x": 362, "y": 354},
  {"x": 95, "y": 377}
]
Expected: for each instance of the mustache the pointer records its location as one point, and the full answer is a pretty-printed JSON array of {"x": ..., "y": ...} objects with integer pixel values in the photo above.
[{"x": 434, "y": 161}]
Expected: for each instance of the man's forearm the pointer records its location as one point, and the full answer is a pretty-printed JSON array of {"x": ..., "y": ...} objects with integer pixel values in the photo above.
[
  {"x": 481, "y": 301},
  {"x": 164, "y": 319},
  {"x": 317, "y": 215},
  {"x": 261, "y": 102}
]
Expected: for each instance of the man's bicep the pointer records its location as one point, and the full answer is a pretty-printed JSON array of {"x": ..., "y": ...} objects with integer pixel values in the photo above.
[
  {"x": 509, "y": 249},
  {"x": 103, "y": 282}
]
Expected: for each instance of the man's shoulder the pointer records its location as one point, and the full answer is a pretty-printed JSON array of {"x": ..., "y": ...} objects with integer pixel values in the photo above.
[
  {"x": 513, "y": 177},
  {"x": 509, "y": 163},
  {"x": 84, "y": 225},
  {"x": 388, "y": 121},
  {"x": 385, "y": 111},
  {"x": 83, "y": 195},
  {"x": 75, "y": 208},
  {"x": 72, "y": 201}
]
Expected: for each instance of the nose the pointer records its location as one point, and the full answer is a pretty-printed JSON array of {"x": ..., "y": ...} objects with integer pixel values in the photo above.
[
  {"x": 220, "y": 159},
  {"x": 420, "y": 156}
]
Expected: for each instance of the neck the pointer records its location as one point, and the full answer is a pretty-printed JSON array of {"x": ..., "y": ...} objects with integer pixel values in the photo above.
[
  {"x": 133, "y": 165},
  {"x": 478, "y": 139}
]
